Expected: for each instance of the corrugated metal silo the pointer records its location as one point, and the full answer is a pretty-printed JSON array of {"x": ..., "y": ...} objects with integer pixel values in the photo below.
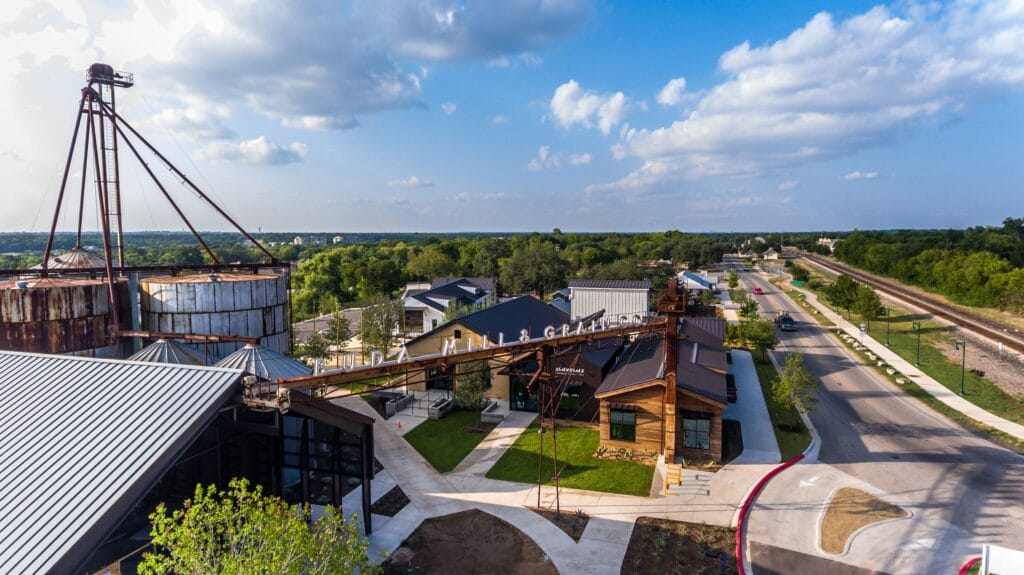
[
  {"x": 55, "y": 315},
  {"x": 230, "y": 304}
]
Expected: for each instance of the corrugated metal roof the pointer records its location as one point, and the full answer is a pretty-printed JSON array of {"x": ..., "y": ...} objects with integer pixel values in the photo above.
[
  {"x": 75, "y": 258},
  {"x": 167, "y": 351},
  {"x": 610, "y": 284},
  {"x": 84, "y": 441},
  {"x": 264, "y": 363}
]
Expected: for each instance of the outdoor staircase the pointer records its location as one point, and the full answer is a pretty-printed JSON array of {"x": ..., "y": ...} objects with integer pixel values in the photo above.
[{"x": 686, "y": 482}]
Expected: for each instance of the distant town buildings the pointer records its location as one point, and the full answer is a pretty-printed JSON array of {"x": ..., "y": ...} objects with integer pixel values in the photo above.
[{"x": 829, "y": 243}]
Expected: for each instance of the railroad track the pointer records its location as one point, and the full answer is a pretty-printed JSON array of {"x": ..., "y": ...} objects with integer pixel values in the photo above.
[{"x": 1009, "y": 336}]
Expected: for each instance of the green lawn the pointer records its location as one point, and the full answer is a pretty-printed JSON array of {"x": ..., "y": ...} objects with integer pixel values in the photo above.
[
  {"x": 443, "y": 442},
  {"x": 579, "y": 469},
  {"x": 794, "y": 439}
]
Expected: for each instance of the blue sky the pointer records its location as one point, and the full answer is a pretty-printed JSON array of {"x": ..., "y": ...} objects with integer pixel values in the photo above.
[{"x": 530, "y": 115}]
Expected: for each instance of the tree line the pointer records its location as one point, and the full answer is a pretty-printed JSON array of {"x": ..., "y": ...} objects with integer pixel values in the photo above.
[{"x": 979, "y": 266}]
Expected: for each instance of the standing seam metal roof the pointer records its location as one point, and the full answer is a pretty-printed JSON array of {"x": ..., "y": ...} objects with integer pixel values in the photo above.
[
  {"x": 87, "y": 440},
  {"x": 264, "y": 363},
  {"x": 610, "y": 284}
]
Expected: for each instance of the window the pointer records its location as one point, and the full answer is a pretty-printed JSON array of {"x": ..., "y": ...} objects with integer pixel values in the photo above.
[
  {"x": 696, "y": 430},
  {"x": 622, "y": 424}
]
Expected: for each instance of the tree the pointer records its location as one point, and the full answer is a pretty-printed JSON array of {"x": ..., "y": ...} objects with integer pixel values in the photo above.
[
  {"x": 867, "y": 305},
  {"x": 472, "y": 379},
  {"x": 760, "y": 335},
  {"x": 536, "y": 267},
  {"x": 338, "y": 329},
  {"x": 431, "y": 263},
  {"x": 748, "y": 307},
  {"x": 842, "y": 293},
  {"x": 800, "y": 273},
  {"x": 316, "y": 346},
  {"x": 734, "y": 279},
  {"x": 242, "y": 531},
  {"x": 795, "y": 384},
  {"x": 381, "y": 324}
]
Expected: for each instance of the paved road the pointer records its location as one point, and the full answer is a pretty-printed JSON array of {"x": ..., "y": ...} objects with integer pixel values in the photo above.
[{"x": 961, "y": 489}]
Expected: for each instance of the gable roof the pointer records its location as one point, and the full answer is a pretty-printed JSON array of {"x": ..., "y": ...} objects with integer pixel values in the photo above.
[
  {"x": 509, "y": 318},
  {"x": 463, "y": 291},
  {"x": 72, "y": 465},
  {"x": 641, "y": 361},
  {"x": 710, "y": 330},
  {"x": 697, "y": 279},
  {"x": 610, "y": 284},
  {"x": 485, "y": 284}
]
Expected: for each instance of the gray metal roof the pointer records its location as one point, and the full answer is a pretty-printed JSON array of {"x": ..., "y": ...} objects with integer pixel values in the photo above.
[
  {"x": 264, "y": 363},
  {"x": 610, "y": 284},
  {"x": 167, "y": 351},
  {"x": 83, "y": 441}
]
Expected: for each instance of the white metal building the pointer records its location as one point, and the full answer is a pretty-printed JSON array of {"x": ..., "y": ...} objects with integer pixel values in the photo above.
[{"x": 616, "y": 297}]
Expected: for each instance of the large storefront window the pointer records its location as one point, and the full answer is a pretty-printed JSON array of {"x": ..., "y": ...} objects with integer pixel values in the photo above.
[
  {"x": 438, "y": 378},
  {"x": 696, "y": 430},
  {"x": 622, "y": 424}
]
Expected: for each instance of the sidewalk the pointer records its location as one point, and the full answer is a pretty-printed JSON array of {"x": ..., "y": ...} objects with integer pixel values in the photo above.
[
  {"x": 612, "y": 516},
  {"x": 936, "y": 389}
]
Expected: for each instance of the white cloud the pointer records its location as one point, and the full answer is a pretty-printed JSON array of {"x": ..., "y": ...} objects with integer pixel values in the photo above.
[
  {"x": 832, "y": 88},
  {"x": 580, "y": 159},
  {"x": 859, "y": 175},
  {"x": 673, "y": 93},
  {"x": 572, "y": 104},
  {"x": 499, "y": 119},
  {"x": 548, "y": 160},
  {"x": 788, "y": 185},
  {"x": 449, "y": 108},
  {"x": 256, "y": 152},
  {"x": 411, "y": 182},
  {"x": 193, "y": 123},
  {"x": 543, "y": 160},
  {"x": 525, "y": 59}
]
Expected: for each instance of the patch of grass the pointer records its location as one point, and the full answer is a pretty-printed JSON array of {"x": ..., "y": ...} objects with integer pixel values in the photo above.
[
  {"x": 443, "y": 442},
  {"x": 790, "y": 432},
  {"x": 849, "y": 510},
  {"x": 578, "y": 467}
]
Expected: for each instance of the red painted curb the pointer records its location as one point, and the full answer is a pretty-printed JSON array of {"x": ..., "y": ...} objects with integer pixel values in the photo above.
[
  {"x": 750, "y": 500},
  {"x": 968, "y": 565}
]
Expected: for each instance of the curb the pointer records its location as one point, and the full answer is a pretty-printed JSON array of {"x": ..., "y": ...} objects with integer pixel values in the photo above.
[
  {"x": 967, "y": 566},
  {"x": 749, "y": 500}
]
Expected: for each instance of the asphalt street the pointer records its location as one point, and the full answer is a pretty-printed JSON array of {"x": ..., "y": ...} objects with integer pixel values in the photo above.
[{"x": 961, "y": 489}]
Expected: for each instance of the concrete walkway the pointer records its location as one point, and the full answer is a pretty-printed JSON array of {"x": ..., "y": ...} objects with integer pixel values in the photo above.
[
  {"x": 936, "y": 389},
  {"x": 603, "y": 544},
  {"x": 759, "y": 445}
]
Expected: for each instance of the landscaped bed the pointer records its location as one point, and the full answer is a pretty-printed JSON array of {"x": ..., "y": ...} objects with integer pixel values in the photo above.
[
  {"x": 579, "y": 468},
  {"x": 390, "y": 503},
  {"x": 572, "y": 523},
  {"x": 849, "y": 510},
  {"x": 469, "y": 542},
  {"x": 445, "y": 442},
  {"x": 790, "y": 432},
  {"x": 665, "y": 547}
]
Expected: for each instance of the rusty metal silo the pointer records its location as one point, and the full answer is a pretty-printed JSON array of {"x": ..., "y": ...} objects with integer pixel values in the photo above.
[
  {"x": 56, "y": 315},
  {"x": 226, "y": 304}
]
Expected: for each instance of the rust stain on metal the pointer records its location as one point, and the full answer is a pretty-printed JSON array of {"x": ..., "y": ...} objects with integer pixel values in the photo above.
[{"x": 54, "y": 315}]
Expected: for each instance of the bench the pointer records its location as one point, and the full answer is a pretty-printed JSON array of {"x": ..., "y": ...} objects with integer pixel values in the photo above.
[{"x": 489, "y": 414}]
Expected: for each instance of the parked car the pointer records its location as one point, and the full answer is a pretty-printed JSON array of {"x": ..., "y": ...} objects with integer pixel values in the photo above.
[{"x": 757, "y": 291}]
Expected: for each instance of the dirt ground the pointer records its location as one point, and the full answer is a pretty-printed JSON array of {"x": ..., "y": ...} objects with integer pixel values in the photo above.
[
  {"x": 665, "y": 547},
  {"x": 391, "y": 503},
  {"x": 572, "y": 523},
  {"x": 849, "y": 510},
  {"x": 469, "y": 542},
  {"x": 1005, "y": 369}
]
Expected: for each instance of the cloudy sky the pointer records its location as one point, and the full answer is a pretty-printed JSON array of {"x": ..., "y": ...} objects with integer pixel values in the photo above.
[{"x": 466, "y": 115}]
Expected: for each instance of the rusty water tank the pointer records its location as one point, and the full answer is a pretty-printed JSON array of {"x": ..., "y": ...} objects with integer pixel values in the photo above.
[
  {"x": 55, "y": 315},
  {"x": 232, "y": 304}
]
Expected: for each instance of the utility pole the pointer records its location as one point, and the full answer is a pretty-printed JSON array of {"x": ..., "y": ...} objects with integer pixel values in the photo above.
[
  {"x": 887, "y": 322},
  {"x": 917, "y": 327}
]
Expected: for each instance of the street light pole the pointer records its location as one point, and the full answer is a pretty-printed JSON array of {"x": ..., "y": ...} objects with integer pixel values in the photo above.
[
  {"x": 887, "y": 317},
  {"x": 917, "y": 327},
  {"x": 962, "y": 345}
]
